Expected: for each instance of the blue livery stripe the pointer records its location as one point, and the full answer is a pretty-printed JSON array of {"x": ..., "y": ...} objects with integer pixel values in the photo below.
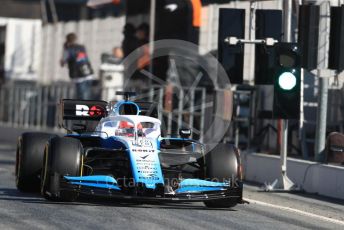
[
  {"x": 105, "y": 186},
  {"x": 198, "y": 189},
  {"x": 103, "y": 179},
  {"x": 201, "y": 183}
]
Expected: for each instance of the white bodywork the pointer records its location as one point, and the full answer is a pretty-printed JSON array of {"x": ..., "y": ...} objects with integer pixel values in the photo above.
[{"x": 136, "y": 124}]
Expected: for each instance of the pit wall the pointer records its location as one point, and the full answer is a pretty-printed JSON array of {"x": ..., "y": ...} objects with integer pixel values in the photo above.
[{"x": 312, "y": 177}]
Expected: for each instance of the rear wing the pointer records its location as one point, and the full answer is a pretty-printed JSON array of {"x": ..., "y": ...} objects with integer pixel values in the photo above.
[{"x": 83, "y": 109}]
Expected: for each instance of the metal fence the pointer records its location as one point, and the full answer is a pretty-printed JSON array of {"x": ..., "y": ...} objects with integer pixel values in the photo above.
[{"x": 35, "y": 106}]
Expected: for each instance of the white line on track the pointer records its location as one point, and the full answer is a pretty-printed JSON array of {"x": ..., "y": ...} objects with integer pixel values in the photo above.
[{"x": 335, "y": 221}]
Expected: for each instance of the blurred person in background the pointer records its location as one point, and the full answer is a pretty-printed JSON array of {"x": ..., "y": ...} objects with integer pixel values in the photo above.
[
  {"x": 2, "y": 78},
  {"x": 142, "y": 35},
  {"x": 130, "y": 41},
  {"x": 129, "y": 44},
  {"x": 115, "y": 57},
  {"x": 136, "y": 40},
  {"x": 79, "y": 66},
  {"x": 111, "y": 73},
  {"x": 139, "y": 81}
]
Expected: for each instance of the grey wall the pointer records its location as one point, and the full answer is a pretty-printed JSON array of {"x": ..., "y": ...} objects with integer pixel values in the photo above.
[{"x": 326, "y": 180}]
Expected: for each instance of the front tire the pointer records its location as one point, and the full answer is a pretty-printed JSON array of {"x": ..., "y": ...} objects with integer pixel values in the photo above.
[
  {"x": 63, "y": 156},
  {"x": 223, "y": 163},
  {"x": 29, "y": 158}
]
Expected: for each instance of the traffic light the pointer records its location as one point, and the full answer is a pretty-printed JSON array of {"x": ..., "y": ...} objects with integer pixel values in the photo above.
[
  {"x": 336, "y": 52},
  {"x": 232, "y": 24},
  {"x": 308, "y": 35},
  {"x": 287, "y": 82},
  {"x": 268, "y": 25}
]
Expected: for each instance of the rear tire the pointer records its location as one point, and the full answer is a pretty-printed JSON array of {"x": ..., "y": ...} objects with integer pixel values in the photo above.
[
  {"x": 222, "y": 164},
  {"x": 63, "y": 156},
  {"x": 29, "y": 158}
]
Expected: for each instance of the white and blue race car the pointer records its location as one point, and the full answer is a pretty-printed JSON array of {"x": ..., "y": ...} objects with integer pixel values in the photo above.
[{"x": 125, "y": 156}]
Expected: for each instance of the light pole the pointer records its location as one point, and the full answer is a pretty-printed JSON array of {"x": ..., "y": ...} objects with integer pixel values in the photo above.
[
  {"x": 152, "y": 32},
  {"x": 283, "y": 182}
]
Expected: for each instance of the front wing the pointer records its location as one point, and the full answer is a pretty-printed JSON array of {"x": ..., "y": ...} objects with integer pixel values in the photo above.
[{"x": 232, "y": 192}]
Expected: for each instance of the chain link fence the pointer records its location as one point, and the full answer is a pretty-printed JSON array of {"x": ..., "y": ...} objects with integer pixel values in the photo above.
[{"x": 36, "y": 106}]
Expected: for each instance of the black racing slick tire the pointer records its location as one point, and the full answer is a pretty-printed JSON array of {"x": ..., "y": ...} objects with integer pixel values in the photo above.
[
  {"x": 29, "y": 159},
  {"x": 223, "y": 163},
  {"x": 63, "y": 156}
]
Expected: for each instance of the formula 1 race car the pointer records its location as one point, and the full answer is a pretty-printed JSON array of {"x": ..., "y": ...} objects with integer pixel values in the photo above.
[{"x": 125, "y": 156}]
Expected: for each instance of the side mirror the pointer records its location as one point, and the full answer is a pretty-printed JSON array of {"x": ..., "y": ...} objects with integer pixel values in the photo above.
[{"x": 185, "y": 133}]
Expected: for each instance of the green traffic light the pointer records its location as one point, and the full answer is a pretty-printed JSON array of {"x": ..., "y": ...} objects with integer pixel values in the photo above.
[{"x": 287, "y": 81}]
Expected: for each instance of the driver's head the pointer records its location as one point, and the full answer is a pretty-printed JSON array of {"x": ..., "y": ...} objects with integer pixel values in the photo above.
[{"x": 125, "y": 125}]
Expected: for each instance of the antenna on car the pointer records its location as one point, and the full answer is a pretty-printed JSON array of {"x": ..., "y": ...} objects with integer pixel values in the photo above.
[{"x": 126, "y": 95}]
